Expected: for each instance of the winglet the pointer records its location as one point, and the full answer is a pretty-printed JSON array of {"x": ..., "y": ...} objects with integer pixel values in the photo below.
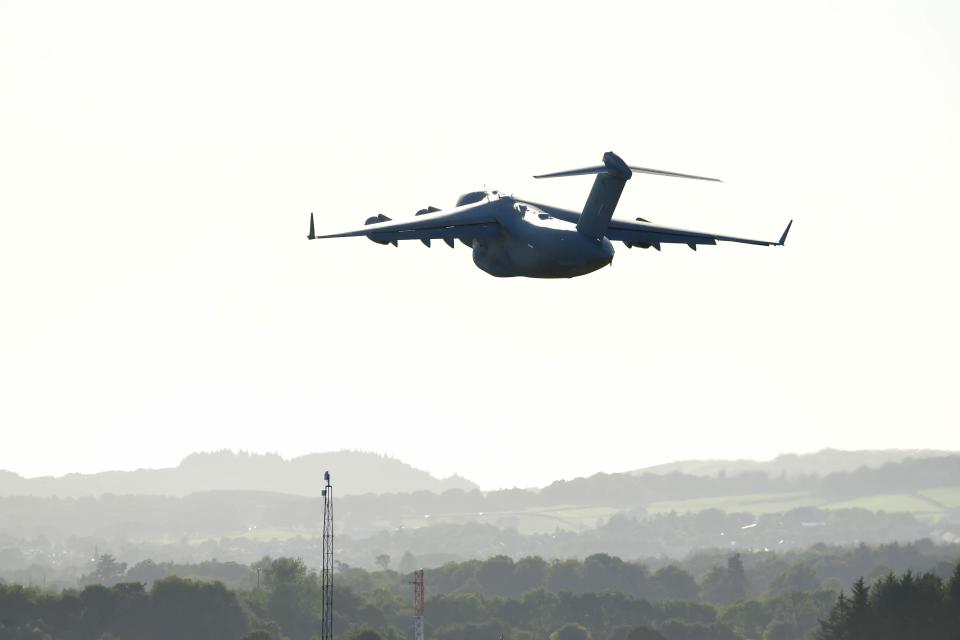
[
  {"x": 312, "y": 235},
  {"x": 783, "y": 238}
]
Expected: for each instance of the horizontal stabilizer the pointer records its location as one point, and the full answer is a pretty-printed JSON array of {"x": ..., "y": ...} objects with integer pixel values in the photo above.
[
  {"x": 671, "y": 174},
  {"x": 612, "y": 164},
  {"x": 586, "y": 171}
]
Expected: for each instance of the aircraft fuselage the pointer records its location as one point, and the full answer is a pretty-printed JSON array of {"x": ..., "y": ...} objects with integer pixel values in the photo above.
[{"x": 532, "y": 247}]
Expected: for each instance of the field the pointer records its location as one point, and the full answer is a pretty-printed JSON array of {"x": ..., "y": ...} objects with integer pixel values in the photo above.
[
  {"x": 934, "y": 503},
  {"x": 891, "y": 502},
  {"x": 929, "y": 503},
  {"x": 946, "y": 497},
  {"x": 756, "y": 503}
]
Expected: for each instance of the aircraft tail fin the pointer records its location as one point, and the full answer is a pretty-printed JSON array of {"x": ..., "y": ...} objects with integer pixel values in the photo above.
[{"x": 612, "y": 176}]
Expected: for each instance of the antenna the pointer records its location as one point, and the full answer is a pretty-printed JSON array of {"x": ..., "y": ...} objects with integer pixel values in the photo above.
[
  {"x": 419, "y": 588},
  {"x": 326, "y": 578}
]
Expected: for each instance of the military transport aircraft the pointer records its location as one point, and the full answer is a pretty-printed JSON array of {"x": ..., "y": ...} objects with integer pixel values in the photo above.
[{"x": 511, "y": 236}]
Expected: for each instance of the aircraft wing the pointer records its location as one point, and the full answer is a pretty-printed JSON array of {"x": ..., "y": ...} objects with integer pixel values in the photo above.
[
  {"x": 648, "y": 234},
  {"x": 642, "y": 233},
  {"x": 462, "y": 223}
]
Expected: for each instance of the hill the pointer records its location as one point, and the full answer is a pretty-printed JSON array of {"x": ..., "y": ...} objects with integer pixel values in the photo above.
[
  {"x": 354, "y": 473},
  {"x": 821, "y": 463}
]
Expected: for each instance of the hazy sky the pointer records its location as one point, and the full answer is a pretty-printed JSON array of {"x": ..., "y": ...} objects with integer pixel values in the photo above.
[{"x": 158, "y": 163}]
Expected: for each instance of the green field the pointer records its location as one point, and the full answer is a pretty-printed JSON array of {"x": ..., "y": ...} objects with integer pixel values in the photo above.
[
  {"x": 891, "y": 502},
  {"x": 534, "y": 520},
  {"x": 934, "y": 503},
  {"x": 756, "y": 503},
  {"x": 929, "y": 503},
  {"x": 948, "y": 497},
  {"x": 572, "y": 516}
]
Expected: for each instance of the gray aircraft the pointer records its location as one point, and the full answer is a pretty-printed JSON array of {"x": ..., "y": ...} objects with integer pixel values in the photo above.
[{"x": 511, "y": 236}]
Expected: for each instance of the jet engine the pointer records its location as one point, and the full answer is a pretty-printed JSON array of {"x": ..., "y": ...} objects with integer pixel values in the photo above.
[
  {"x": 374, "y": 220},
  {"x": 642, "y": 245},
  {"x": 423, "y": 212}
]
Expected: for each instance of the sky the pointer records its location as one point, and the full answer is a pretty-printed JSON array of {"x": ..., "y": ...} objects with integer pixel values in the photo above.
[{"x": 159, "y": 161}]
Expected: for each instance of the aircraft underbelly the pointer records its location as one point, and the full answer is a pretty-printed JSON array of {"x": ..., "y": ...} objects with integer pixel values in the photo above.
[{"x": 536, "y": 252}]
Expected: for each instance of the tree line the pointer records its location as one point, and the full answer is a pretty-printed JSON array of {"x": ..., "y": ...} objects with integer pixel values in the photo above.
[
  {"x": 921, "y": 607},
  {"x": 707, "y": 575},
  {"x": 287, "y": 605},
  {"x": 600, "y": 598},
  {"x": 694, "y": 577}
]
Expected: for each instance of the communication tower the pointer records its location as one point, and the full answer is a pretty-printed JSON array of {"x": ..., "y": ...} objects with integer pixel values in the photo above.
[
  {"x": 326, "y": 577},
  {"x": 418, "y": 593}
]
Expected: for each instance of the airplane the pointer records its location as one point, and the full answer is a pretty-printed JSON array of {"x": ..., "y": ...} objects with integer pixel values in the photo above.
[{"x": 512, "y": 236}]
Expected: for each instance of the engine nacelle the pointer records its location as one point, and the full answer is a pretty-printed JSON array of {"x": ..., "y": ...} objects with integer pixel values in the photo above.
[
  {"x": 472, "y": 197},
  {"x": 642, "y": 245},
  {"x": 423, "y": 212},
  {"x": 374, "y": 220}
]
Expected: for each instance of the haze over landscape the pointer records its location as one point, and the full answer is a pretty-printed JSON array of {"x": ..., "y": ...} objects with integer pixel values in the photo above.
[
  {"x": 264, "y": 504},
  {"x": 795, "y": 529}
]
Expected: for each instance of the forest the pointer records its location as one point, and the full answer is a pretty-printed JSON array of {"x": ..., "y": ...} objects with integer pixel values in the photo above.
[{"x": 600, "y": 604}]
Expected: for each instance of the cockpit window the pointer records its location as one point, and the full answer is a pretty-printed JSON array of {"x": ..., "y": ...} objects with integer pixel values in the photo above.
[{"x": 470, "y": 198}]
